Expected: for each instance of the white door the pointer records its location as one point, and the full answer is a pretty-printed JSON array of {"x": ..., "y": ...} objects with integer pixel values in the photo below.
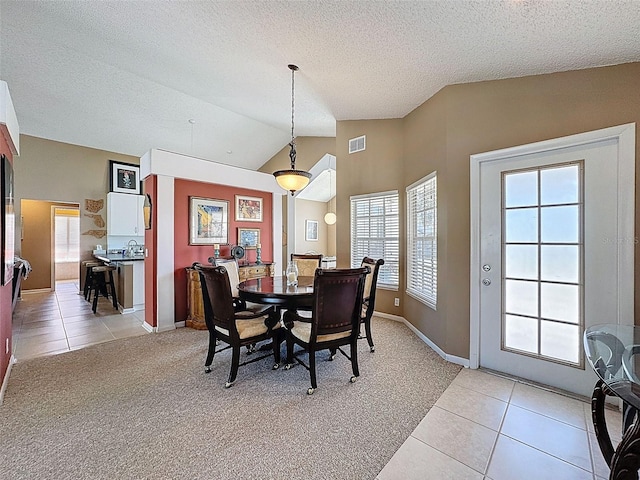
[{"x": 552, "y": 260}]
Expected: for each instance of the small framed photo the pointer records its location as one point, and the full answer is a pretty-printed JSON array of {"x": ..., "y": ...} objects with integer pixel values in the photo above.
[
  {"x": 311, "y": 230},
  {"x": 248, "y": 209},
  {"x": 249, "y": 238},
  {"x": 124, "y": 177},
  {"x": 208, "y": 221}
]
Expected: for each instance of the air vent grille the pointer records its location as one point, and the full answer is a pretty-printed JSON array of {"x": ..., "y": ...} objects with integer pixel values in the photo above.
[{"x": 357, "y": 144}]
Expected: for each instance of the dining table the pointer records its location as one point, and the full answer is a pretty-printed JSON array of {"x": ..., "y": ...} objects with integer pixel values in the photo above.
[
  {"x": 275, "y": 291},
  {"x": 613, "y": 351}
]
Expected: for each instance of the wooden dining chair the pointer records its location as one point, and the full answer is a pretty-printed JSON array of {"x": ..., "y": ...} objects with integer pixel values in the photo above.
[
  {"x": 235, "y": 328},
  {"x": 369, "y": 297},
  {"x": 307, "y": 263},
  {"x": 334, "y": 322}
]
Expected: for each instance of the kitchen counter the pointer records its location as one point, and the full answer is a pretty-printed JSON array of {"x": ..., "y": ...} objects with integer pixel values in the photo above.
[{"x": 117, "y": 257}]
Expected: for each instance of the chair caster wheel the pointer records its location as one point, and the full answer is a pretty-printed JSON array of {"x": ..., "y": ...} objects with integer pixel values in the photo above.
[
  {"x": 353, "y": 379},
  {"x": 288, "y": 366},
  {"x": 331, "y": 357},
  {"x": 373, "y": 349},
  {"x": 276, "y": 366},
  {"x": 207, "y": 369},
  {"x": 310, "y": 391},
  {"x": 228, "y": 384}
]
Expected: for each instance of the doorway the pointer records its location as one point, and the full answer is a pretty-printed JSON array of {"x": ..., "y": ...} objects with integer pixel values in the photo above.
[
  {"x": 552, "y": 253},
  {"x": 38, "y": 241},
  {"x": 66, "y": 248}
]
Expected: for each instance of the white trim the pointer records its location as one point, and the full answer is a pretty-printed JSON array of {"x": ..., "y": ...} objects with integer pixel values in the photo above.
[
  {"x": 8, "y": 120},
  {"x": 165, "y": 269},
  {"x": 376, "y": 194},
  {"x": 421, "y": 181},
  {"x": 148, "y": 327},
  {"x": 625, "y": 136},
  {"x": 449, "y": 358},
  {"x": 5, "y": 381},
  {"x": 181, "y": 324}
]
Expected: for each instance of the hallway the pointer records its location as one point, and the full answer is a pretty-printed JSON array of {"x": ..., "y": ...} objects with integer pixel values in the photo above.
[{"x": 56, "y": 322}]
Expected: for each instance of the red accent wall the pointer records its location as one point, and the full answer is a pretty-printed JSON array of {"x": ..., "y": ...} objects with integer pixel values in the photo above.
[
  {"x": 185, "y": 255},
  {"x": 151, "y": 262},
  {"x": 5, "y": 297}
]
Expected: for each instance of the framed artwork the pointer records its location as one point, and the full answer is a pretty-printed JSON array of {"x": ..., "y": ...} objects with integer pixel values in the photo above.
[
  {"x": 8, "y": 220},
  {"x": 311, "y": 230},
  {"x": 208, "y": 221},
  {"x": 249, "y": 238},
  {"x": 124, "y": 177},
  {"x": 248, "y": 209}
]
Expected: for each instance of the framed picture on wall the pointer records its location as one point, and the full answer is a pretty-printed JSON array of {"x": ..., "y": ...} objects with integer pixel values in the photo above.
[
  {"x": 124, "y": 177},
  {"x": 248, "y": 238},
  {"x": 8, "y": 220},
  {"x": 248, "y": 209},
  {"x": 311, "y": 230},
  {"x": 208, "y": 221}
]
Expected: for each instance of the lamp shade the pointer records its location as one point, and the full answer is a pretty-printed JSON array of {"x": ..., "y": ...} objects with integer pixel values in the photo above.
[
  {"x": 330, "y": 218},
  {"x": 292, "y": 180}
]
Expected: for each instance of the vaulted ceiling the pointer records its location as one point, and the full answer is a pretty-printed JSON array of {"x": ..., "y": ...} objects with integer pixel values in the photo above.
[{"x": 128, "y": 76}]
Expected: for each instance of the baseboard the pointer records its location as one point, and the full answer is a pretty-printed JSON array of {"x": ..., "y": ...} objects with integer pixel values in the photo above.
[
  {"x": 36, "y": 290},
  {"x": 148, "y": 327},
  {"x": 5, "y": 381},
  {"x": 449, "y": 358},
  {"x": 181, "y": 324}
]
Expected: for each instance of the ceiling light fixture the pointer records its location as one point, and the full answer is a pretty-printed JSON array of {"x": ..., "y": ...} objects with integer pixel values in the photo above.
[
  {"x": 292, "y": 179},
  {"x": 330, "y": 217}
]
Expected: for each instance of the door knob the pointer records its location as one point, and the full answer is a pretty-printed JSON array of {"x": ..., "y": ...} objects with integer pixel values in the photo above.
[{"x": 486, "y": 282}]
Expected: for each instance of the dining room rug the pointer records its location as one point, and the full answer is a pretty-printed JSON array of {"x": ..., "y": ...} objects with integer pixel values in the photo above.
[{"x": 143, "y": 407}]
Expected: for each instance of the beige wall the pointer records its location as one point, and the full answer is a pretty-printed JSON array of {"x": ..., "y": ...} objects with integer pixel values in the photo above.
[
  {"x": 377, "y": 169},
  {"x": 309, "y": 210},
  {"x": 63, "y": 173},
  {"x": 440, "y": 135}
]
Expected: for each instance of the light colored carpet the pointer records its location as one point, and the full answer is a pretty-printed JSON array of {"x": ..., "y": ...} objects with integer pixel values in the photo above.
[{"x": 143, "y": 407}]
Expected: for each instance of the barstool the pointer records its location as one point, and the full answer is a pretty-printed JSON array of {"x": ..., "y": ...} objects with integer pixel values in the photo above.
[
  {"x": 87, "y": 277},
  {"x": 99, "y": 283}
]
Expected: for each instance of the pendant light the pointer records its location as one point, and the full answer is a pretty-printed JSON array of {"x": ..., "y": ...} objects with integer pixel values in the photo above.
[
  {"x": 292, "y": 179},
  {"x": 330, "y": 217}
]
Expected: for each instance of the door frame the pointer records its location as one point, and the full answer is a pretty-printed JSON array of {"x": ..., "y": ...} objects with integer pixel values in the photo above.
[{"x": 625, "y": 136}]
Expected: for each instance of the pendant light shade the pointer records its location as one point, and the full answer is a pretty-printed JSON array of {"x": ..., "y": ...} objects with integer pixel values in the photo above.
[
  {"x": 292, "y": 179},
  {"x": 330, "y": 218}
]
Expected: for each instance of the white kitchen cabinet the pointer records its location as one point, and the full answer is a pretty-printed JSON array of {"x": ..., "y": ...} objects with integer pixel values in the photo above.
[{"x": 124, "y": 214}]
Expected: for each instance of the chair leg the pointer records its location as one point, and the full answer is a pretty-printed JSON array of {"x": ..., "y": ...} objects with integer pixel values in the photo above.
[
  {"x": 212, "y": 351},
  {"x": 332, "y": 354},
  {"x": 235, "y": 361},
  {"x": 354, "y": 361},
  {"x": 367, "y": 329},
  {"x": 312, "y": 371},
  {"x": 96, "y": 294},
  {"x": 112, "y": 287}
]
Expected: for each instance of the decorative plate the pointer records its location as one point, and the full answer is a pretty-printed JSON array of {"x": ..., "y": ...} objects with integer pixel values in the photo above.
[{"x": 237, "y": 252}]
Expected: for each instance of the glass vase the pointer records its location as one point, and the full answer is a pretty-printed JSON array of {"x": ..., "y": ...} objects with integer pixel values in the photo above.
[{"x": 292, "y": 274}]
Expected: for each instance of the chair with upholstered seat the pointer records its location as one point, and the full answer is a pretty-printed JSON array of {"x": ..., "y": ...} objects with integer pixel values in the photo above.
[
  {"x": 369, "y": 296},
  {"x": 334, "y": 322},
  {"x": 307, "y": 263},
  {"x": 235, "y": 328}
]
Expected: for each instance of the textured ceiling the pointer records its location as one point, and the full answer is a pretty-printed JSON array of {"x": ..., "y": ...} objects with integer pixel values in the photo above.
[{"x": 127, "y": 76}]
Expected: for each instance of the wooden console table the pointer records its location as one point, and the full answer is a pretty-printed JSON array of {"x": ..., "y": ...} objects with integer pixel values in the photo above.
[{"x": 195, "y": 307}]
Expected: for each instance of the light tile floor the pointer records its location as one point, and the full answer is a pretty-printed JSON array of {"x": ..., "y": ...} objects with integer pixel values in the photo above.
[
  {"x": 483, "y": 427},
  {"x": 489, "y": 427},
  {"x": 56, "y": 322}
]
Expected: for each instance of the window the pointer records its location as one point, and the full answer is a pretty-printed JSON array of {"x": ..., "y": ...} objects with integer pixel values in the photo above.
[
  {"x": 422, "y": 240},
  {"x": 375, "y": 229},
  {"x": 67, "y": 235}
]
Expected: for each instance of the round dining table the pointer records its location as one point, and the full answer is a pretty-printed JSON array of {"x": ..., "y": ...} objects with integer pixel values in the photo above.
[{"x": 274, "y": 291}]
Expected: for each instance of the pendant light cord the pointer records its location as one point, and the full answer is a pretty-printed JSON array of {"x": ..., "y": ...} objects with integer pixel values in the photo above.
[{"x": 292, "y": 152}]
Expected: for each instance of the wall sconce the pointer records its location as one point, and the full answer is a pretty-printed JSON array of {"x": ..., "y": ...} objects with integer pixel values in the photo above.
[{"x": 146, "y": 211}]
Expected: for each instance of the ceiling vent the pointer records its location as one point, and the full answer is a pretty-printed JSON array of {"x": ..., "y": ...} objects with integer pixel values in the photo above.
[{"x": 357, "y": 144}]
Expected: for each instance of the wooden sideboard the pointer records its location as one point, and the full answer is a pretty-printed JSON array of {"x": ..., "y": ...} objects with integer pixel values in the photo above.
[{"x": 195, "y": 308}]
